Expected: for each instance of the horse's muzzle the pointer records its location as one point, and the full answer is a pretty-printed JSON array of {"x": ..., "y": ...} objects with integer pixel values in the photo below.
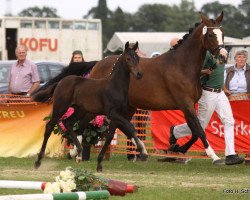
[{"x": 139, "y": 75}]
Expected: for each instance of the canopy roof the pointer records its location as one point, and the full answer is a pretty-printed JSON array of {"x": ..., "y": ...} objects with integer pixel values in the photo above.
[{"x": 150, "y": 42}]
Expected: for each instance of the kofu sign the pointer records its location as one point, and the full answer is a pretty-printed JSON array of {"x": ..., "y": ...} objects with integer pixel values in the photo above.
[{"x": 40, "y": 44}]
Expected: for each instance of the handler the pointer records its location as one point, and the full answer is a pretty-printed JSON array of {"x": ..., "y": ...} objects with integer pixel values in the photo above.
[{"x": 213, "y": 99}]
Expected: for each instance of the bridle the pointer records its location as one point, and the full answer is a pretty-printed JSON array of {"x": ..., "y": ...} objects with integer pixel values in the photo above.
[{"x": 205, "y": 33}]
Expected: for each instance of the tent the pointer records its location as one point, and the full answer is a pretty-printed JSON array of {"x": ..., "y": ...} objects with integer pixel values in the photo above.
[{"x": 150, "y": 42}]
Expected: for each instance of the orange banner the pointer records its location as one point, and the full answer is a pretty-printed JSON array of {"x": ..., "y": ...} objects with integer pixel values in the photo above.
[
  {"x": 22, "y": 129},
  {"x": 161, "y": 121}
]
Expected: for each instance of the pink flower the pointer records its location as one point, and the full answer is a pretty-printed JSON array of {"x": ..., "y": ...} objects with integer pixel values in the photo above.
[
  {"x": 99, "y": 120},
  {"x": 69, "y": 112},
  {"x": 62, "y": 126}
]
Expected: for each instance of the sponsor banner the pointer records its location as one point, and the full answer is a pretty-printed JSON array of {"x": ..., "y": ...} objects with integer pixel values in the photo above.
[
  {"x": 22, "y": 130},
  {"x": 161, "y": 121}
]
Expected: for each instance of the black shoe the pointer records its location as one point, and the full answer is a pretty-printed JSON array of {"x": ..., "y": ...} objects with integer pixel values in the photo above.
[
  {"x": 172, "y": 139},
  {"x": 234, "y": 159}
]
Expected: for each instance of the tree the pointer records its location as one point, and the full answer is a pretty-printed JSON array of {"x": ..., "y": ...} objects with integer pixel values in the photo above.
[
  {"x": 119, "y": 22},
  {"x": 39, "y": 12},
  {"x": 102, "y": 12},
  {"x": 183, "y": 16},
  {"x": 245, "y": 7},
  {"x": 233, "y": 19}
]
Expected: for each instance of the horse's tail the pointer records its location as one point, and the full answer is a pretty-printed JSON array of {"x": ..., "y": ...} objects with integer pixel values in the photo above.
[
  {"x": 44, "y": 95},
  {"x": 78, "y": 69}
]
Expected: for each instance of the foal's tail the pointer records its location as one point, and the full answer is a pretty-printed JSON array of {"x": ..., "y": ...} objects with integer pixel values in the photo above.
[
  {"x": 78, "y": 69},
  {"x": 44, "y": 95}
]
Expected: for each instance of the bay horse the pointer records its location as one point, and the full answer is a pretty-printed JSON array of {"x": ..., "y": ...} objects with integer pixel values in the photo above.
[
  {"x": 106, "y": 96},
  {"x": 171, "y": 81}
]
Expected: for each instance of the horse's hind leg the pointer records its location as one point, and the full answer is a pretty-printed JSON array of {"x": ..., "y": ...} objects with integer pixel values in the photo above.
[
  {"x": 109, "y": 137},
  {"x": 69, "y": 124},
  {"x": 49, "y": 128}
]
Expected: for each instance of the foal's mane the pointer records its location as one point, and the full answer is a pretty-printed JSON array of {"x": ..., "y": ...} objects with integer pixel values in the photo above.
[{"x": 114, "y": 65}]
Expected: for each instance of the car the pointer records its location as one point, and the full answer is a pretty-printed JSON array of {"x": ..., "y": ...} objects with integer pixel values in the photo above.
[{"x": 46, "y": 69}]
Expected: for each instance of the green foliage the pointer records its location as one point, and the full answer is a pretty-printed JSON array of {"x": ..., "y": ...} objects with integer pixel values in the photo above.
[
  {"x": 198, "y": 179},
  {"x": 91, "y": 135},
  {"x": 161, "y": 17},
  {"x": 39, "y": 12},
  {"x": 87, "y": 181}
]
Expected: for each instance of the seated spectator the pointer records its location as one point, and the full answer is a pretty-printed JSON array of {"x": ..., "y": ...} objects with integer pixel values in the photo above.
[{"x": 237, "y": 77}]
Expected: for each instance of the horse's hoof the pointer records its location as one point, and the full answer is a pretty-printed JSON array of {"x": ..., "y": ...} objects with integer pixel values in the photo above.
[
  {"x": 174, "y": 148},
  {"x": 37, "y": 164},
  {"x": 78, "y": 159},
  {"x": 143, "y": 158},
  {"x": 99, "y": 169},
  {"x": 68, "y": 156}
]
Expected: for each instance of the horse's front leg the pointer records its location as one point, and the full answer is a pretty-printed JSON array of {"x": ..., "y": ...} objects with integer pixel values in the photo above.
[
  {"x": 197, "y": 132},
  {"x": 108, "y": 140},
  {"x": 129, "y": 130},
  {"x": 49, "y": 128}
]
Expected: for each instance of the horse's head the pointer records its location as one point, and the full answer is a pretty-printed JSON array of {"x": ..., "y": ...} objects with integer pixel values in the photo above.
[
  {"x": 212, "y": 34},
  {"x": 132, "y": 59}
]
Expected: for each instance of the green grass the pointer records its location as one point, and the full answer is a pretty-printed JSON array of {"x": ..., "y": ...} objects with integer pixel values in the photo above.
[{"x": 198, "y": 179}]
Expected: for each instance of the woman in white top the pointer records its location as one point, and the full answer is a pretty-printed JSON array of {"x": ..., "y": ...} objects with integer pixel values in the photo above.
[{"x": 237, "y": 77}]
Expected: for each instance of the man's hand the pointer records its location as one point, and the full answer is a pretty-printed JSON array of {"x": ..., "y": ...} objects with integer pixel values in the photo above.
[
  {"x": 206, "y": 71},
  {"x": 227, "y": 92},
  {"x": 223, "y": 52}
]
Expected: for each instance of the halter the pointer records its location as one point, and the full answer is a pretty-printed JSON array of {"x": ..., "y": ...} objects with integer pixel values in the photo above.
[{"x": 204, "y": 32}]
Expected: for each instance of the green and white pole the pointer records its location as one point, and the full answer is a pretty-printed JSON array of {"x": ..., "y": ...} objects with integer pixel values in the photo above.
[{"x": 89, "y": 195}]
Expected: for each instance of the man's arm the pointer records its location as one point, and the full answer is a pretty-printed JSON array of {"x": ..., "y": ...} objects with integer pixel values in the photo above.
[{"x": 34, "y": 87}]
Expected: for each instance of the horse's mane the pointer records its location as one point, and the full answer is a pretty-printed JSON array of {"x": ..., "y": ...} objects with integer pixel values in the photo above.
[
  {"x": 75, "y": 68},
  {"x": 190, "y": 30}
]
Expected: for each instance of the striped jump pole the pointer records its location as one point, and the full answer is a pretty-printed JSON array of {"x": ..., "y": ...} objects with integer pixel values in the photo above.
[
  {"x": 115, "y": 187},
  {"x": 32, "y": 185},
  {"x": 92, "y": 195}
]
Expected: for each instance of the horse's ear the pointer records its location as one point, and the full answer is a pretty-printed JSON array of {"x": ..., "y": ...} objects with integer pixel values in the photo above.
[
  {"x": 204, "y": 19},
  {"x": 219, "y": 19},
  {"x": 126, "y": 45},
  {"x": 135, "y": 46}
]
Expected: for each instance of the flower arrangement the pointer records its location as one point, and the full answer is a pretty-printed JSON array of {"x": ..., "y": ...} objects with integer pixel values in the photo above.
[
  {"x": 73, "y": 180},
  {"x": 91, "y": 135},
  {"x": 96, "y": 129}
]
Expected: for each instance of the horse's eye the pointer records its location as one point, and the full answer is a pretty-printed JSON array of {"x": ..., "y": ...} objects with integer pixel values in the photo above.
[{"x": 210, "y": 35}]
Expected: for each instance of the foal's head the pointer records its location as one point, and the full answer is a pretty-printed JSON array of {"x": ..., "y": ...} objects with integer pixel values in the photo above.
[
  {"x": 132, "y": 59},
  {"x": 212, "y": 36}
]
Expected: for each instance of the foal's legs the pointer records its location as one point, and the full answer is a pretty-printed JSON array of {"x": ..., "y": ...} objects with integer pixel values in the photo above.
[
  {"x": 118, "y": 121},
  {"x": 109, "y": 137},
  {"x": 129, "y": 130},
  {"x": 69, "y": 124},
  {"x": 49, "y": 128}
]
